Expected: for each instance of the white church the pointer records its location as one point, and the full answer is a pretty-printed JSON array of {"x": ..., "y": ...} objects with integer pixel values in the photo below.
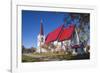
[
  {"x": 41, "y": 39},
  {"x": 61, "y": 38}
]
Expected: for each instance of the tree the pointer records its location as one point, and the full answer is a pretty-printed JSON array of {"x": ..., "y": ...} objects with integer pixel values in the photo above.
[{"x": 23, "y": 49}]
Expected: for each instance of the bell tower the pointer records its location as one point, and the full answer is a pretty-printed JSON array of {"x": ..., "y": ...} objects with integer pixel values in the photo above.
[{"x": 40, "y": 38}]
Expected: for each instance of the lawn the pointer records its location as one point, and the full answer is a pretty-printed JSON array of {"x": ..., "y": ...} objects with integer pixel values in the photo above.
[{"x": 41, "y": 57}]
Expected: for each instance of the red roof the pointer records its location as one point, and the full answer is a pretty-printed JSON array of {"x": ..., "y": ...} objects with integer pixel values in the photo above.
[
  {"x": 66, "y": 33},
  {"x": 60, "y": 34},
  {"x": 52, "y": 36}
]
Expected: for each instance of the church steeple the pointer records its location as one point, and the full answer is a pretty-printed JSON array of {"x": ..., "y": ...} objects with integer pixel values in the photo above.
[
  {"x": 40, "y": 38},
  {"x": 41, "y": 28}
]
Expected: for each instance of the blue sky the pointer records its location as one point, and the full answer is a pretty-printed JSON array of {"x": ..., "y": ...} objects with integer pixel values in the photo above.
[{"x": 31, "y": 24}]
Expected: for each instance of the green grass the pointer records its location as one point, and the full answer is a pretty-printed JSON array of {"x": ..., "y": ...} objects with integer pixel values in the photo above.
[
  {"x": 40, "y": 57},
  {"x": 29, "y": 59}
]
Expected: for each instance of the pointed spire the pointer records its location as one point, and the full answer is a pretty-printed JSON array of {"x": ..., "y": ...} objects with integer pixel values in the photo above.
[{"x": 41, "y": 28}]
